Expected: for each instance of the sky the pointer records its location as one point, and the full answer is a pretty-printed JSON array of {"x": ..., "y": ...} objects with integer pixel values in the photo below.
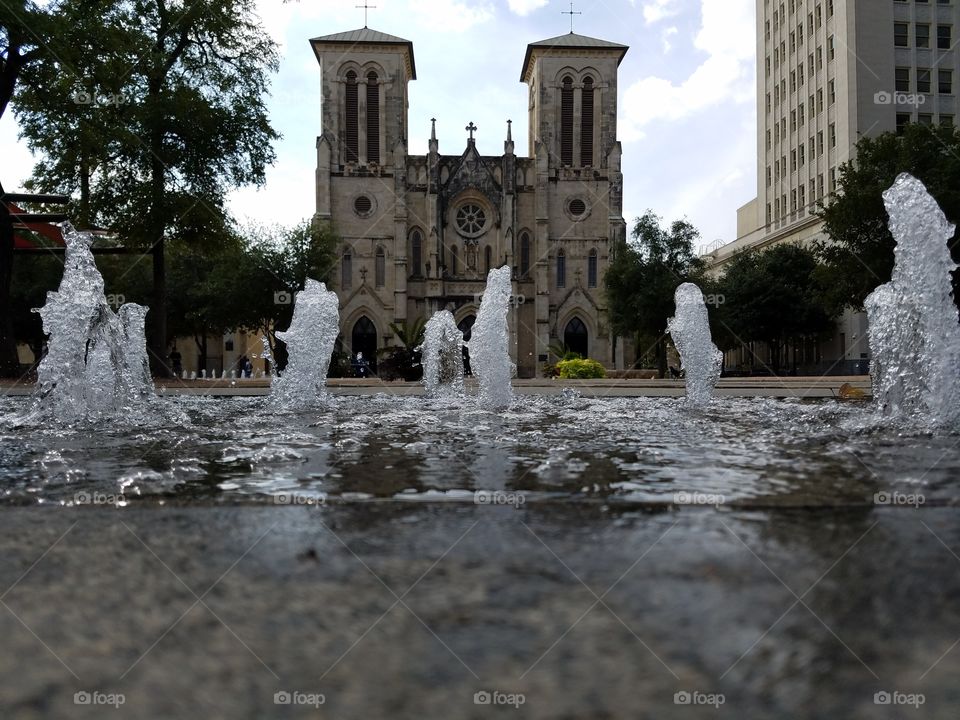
[{"x": 687, "y": 95}]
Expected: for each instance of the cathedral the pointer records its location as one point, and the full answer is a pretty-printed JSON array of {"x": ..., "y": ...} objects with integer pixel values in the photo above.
[{"x": 418, "y": 233}]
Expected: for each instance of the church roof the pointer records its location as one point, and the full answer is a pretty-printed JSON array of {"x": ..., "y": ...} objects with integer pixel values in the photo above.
[
  {"x": 571, "y": 41},
  {"x": 367, "y": 36}
]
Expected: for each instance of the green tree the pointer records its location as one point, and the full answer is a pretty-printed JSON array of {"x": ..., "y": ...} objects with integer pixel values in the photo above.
[
  {"x": 189, "y": 124},
  {"x": 773, "y": 296},
  {"x": 644, "y": 274},
  {"x": 859, "y": 253},
  {"x": 274, "y": 264},
  {"x": 28, "y": 31},
  {"x": 204, "y": 292}
]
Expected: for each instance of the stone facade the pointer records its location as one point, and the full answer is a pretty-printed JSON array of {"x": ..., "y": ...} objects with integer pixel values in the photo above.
[{"x": 420, "y": 233}]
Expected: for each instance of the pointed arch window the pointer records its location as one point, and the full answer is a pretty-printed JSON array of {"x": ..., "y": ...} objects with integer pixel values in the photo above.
[
  {"x": 592, "y": 269},
  {"x": 586, "y": 123},
  {"x": 380, "y": 268},
  {"x": 488, "y": 258},
  {"x": 373, "y": 118},
  {"x": 416, "y": 253},
  {"x": 453, "y": 259},
  {"x": 346, "y": 270},
  {"x": 566, "y": 121},
  {"x": 524, "y": 255},
  {"x": 561, "y": 269},
  {"x": 352, "y": 125}
]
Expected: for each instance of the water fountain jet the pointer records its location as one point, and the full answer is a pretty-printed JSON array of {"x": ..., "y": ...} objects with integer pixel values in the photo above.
[
  {"x": 489, "y": 342},
  {"x": 310, "y": 340},
  {"x": 96, "y": 361},
  {"x": 442, "y": 353},
  {"x": 914, "y": 329},
  {"x": 699, "y": 357}
]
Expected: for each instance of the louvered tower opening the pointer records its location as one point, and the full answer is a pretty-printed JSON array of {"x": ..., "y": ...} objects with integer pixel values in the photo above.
[
  {"x": 586, "y": 124},
  {"x": 373, "y": 118},
  {"x": 566, "y": 122},
  {"x": 351, "y": 131}
]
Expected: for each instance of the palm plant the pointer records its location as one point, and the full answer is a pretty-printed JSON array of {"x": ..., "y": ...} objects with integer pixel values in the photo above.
[{"x": 403, "y": 361}]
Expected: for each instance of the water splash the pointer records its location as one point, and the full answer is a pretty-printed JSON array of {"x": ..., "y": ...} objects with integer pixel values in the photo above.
[
  {"x": 96, "y": 361},
  {"x": 489, "y": 343},
  {"x": 699, "y": 357},
  {"x": 442, "y": 356},
  {"x": 913, "y": 323},
  {"x": 267, "y": 356},
  {"x": 310, "y": 340}
]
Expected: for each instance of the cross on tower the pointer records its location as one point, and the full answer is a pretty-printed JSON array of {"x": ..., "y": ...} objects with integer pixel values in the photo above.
[
  {"x": 367, "y": 7},
  {"x": 571, "y": 13},
  {"x": 472, "y": 129}
]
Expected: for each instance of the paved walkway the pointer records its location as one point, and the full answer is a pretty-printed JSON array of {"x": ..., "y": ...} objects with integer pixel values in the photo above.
[{"x": 852, "y": 387}]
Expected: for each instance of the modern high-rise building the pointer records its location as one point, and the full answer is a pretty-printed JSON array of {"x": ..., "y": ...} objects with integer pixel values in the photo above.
[{"x": 828, "y": 73}]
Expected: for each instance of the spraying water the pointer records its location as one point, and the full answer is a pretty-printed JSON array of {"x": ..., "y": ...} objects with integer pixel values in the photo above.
[
  {"x": 96, "y": 361},
  {"x": 699, "y": 357},
  {"x": 310, "y": 340},
  {"x": 489, "y": 343},
  {"x": 442, "y": 356},
  {"x": 913, "y": 321}
]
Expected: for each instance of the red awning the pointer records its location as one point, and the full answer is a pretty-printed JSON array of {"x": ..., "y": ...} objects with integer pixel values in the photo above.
[{"x": 34, "y": 235}]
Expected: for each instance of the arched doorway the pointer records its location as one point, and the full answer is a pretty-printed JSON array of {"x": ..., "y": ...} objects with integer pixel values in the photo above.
[
  {"x": 364, "y": 339},
  {"x": 575, "y": 337},
  {"x": 466, "y": 327}
]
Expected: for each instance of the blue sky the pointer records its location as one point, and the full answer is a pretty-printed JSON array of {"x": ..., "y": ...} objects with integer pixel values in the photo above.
[{"x": 687, "y": 95}]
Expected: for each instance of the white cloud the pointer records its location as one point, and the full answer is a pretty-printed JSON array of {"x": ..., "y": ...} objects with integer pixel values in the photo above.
[
  {"x": 525, "y": 7},
  {"x": 656, "y": 10},
  {"x": 725, "y": 76},
  {"x": 451, "y": 15},
  {"x": 665, "y": 38}
]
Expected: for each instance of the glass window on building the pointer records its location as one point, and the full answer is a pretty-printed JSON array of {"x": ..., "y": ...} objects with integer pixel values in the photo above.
[
  {"x": 946, "y": 82},
  {"x": 901, "y": 34},
  {"x": 922, "y": 35},
  {"x": 903, "y": 120},
  {"x": 923, "y": 80},
  {"x": 903, "y": 79},
  {"x": 944, "y": 37}
]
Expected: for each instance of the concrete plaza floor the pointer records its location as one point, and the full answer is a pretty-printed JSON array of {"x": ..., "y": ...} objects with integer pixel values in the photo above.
[{"x": 382, "y": 610}]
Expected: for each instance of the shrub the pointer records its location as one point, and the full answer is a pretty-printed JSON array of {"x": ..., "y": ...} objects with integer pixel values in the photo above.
[{"x": 581, "y": 369}]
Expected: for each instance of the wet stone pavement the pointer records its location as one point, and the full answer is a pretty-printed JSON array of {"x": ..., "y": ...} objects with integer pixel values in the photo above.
[{"x": 554, "y": 610}]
